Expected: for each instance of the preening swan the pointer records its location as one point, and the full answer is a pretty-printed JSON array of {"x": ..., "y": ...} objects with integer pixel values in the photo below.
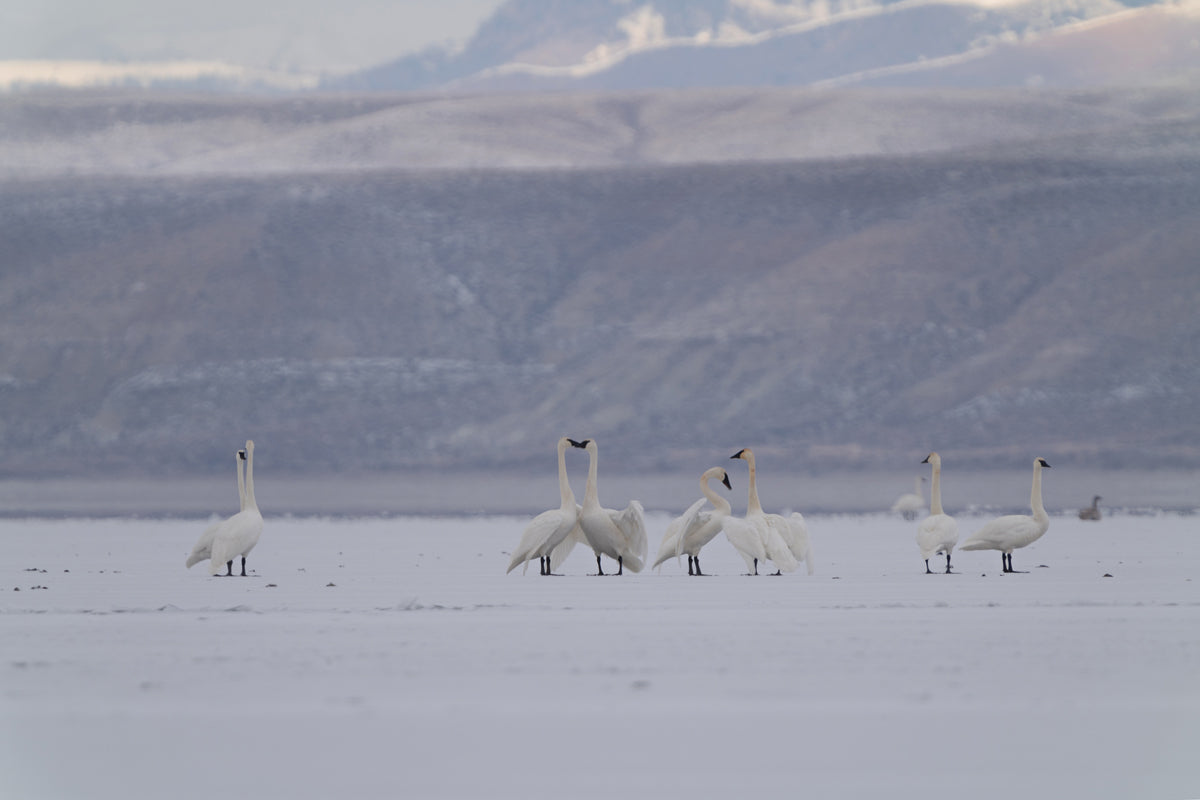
[
  {"x": 1015, "y": 530},
  {"x": 546, "y": 537},
  {"x": 937, "y": 533},
  {"x": 238, "y": 535},
  {"x": 620, "y": 535},
  {"x": 695, "y": 528},
  {"x": 771, "y": 529},
  {"x": 203, "y": 549},
  {"x": 911, "y": 505},
  {"x": 1093, "y": 512}
]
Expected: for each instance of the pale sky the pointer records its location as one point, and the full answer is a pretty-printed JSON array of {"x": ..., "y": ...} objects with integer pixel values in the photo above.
[{"x": 315, "y": 36}]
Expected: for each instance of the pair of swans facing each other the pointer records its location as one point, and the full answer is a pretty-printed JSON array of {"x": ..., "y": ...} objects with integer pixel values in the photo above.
[
  {"x": 551, "y": 535},
  {"x": 224, "y": 541}
]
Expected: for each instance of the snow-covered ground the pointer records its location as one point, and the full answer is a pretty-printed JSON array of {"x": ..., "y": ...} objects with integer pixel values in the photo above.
[{"x": 392, "y": 657}]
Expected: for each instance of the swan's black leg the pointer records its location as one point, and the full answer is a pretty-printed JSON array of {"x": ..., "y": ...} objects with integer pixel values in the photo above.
[
  {"x": 1006, "y": 560},
  {"x": 599, "y": 569},
  {"x": 690, "y": 566},
  {"x": 698, "y": 572},
  {"x": 756, "y": 566},
  {"x": 243, "y": 566},
  {"x": 947, "y": 564},
  {"x": 928, "y": 571},
  {"x": 229, "y": 568},
  {"x": 620, "y": 566}
]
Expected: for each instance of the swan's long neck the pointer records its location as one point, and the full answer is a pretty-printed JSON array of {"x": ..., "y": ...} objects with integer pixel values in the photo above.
[
  {"x": 564, "y": 486},
  {"x": 241, "y": 482},
  {"x": 752, "y": 504},
  {"x": 590, "y": 495},
  {"x": 719, "y": 503},
  {"x": 935, "y": 491},
  {"x": 250, "y": 501},
  {"x": 1035, "y": 497}
]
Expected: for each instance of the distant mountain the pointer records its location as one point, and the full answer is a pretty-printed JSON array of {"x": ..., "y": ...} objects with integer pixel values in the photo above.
[
  {"x": 599, "y": 44},
  {"x": 995, "y": 276}
]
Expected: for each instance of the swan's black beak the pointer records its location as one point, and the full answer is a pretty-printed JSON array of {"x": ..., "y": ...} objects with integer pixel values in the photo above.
[
  {"x": 242, "y": 455},
  {"x": 738, "y": 454},
  {"x": 1042, "y": 461},
  {"x": 581, "y": 445},
  {"x": 925, "y": 460},
  {"x": 725, "y": 481}
]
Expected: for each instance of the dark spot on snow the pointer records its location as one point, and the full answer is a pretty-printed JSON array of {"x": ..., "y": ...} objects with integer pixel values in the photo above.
[
  {"x": 331, "y": 583},
  {"x": 271, "y": 586},
  {"x": 1107, "y": 575},
  {"x": 640, "y": 685}
]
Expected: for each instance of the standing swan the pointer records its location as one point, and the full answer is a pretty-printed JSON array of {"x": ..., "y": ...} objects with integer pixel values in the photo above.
[
  {"x": 238, "y": 535},
  {"x": 620, "y": 535},
  {"x": 937, "y": 533},
  {"x": 203, "y": 549},
  {"x": 773, "y": 529},
  {"x": 1016, "y": 530},
  {"x": 695, "y": 528},
  {"x": 1092, "y": 512},
  {"x": 911, "y": 505},
  {"x": 549, "y": 529}
]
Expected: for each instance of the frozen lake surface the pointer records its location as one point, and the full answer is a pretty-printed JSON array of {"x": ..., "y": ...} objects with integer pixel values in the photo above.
[{"x": 392, "y": 657}]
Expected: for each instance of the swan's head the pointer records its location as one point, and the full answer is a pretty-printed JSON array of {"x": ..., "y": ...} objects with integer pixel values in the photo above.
[
  {"x": 745, "y": 454},
  {"x": 249, "y": 447},
  {"x": 717, "y": 472},
  {"x": 242, "y": 455},
  {"x": 1041, "y": 462},
  {"x": 932, "y": 458}
]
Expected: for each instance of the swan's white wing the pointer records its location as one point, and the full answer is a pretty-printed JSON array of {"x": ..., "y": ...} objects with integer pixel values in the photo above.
[
  {"x": 776, "y": 545},
  {"x": 937, "y": 532},
  {"x": 536, "y": 533},
  {"x": 203, "y": 549},
  {"x": 1003, "y": 533},
  {"x": 798, "y": 541},
  {"x": 632, "y": 524},
  {"x": 559, "y": 554},
  {"x": 672, "y": 542}
]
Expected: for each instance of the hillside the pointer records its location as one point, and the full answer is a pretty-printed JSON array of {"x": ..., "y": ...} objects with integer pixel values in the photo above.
[{"x": 1034, "y": 294}]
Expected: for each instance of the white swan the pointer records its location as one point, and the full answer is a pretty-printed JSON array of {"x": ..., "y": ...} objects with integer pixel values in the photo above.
[
  {"x": 1015, "y": 530},
  {"x": 937, "y": 533},
  {"x": 692, "y": 530},
  {"x": 238, "y": 535},
  {"x": 546, "y": 536},
  {"x": 911, "y": 505},
  {"x": 203, "y": 549},
  {"x": 1093, "y": 511},
  {"x": 772, "y": 528},
  {"x": 620, "y": 535}
]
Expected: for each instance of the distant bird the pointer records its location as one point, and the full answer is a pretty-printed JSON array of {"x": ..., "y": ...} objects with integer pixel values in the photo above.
[
  {"x": 239, "y": 534},
  {"x": 203, "y": 549},
  {"x": 912, "y": 504},
  {"x": 1092, "y": 513},
  {"x": 547, "y": 535},
  {"x": 771, "y": 528},
  {"x": 620, "y": 535},
  {"x": 1016, "y": 530},
  {"x": 937, "y": 533},
  {"x": 693, "y": 529}
]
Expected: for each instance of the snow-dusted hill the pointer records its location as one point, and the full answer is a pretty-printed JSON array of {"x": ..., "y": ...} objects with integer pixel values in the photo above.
[{"x": 534, "y": 44}]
